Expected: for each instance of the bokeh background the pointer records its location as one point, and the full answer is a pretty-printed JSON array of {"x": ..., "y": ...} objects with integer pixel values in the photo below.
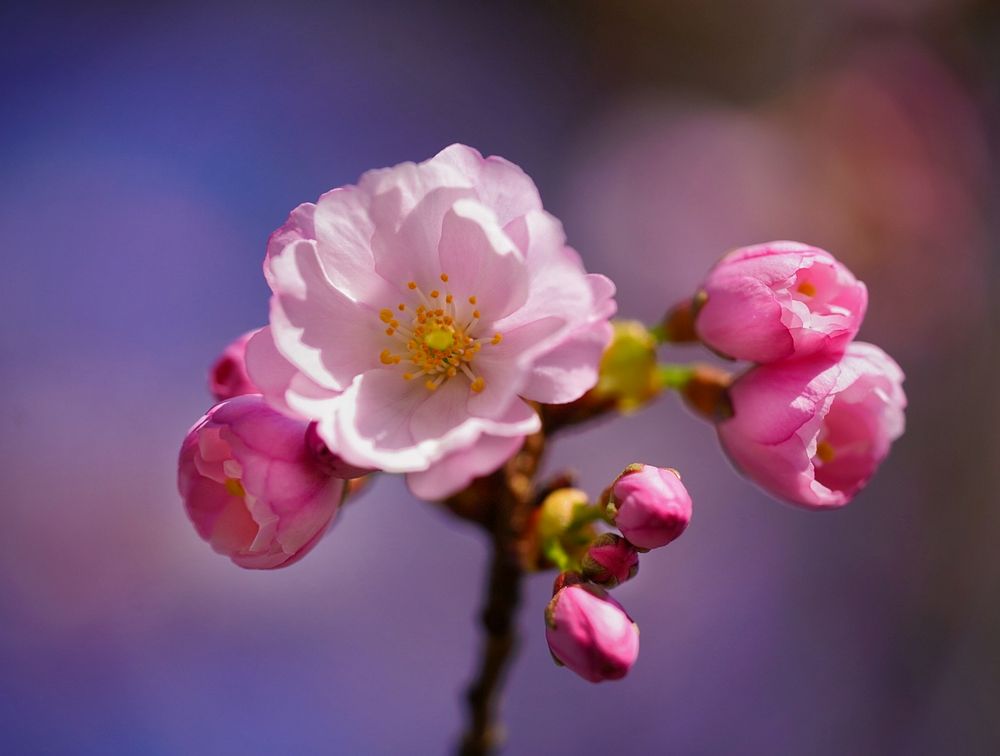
[{"x": 148, "y": 149}]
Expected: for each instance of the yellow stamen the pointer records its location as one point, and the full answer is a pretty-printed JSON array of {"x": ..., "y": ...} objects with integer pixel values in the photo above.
[
  {"x": 440, "y": 339},
  {"x": 444, "y": 277},
  {"x": 497, "y": 338},
  {"x": 401, "y": 306},
  {"x": 435, "y": 293},
  {"x": 235, "y": 488},
  {"x": 807, "y": 288},
  {"x": 825, "y": 452},
  {"x": 478, "y": 385},
  {"x": 472, "y": 300},
  {"x": 430, "y": 385},
  {"x": 411, "y": 285},
  {"x": 385, "y": 315}
]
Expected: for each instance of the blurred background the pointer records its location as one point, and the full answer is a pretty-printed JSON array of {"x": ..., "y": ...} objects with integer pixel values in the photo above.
[{"x": 147, "y": 151}]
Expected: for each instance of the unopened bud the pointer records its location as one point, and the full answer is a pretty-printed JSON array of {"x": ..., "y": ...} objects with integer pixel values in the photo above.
[
  {"x": 628, "y": 373},
  {"x": 556, "y": 513},
  {"x": 650, "y": 505},
  {"x": 589, "y": 632},
  {"x": 610, "y": 560}
]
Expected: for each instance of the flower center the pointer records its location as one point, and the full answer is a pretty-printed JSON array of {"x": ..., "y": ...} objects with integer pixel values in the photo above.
[
  {"x": 437, "y": 336},
  {"x": 825, "y": 452}
]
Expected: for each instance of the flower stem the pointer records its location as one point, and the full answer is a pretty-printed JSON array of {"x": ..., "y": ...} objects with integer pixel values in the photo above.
[
  {"x": 505, "y": 501},
  {"x": 498, "y": 618}
]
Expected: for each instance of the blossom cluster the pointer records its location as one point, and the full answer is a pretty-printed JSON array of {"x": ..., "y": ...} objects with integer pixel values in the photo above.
[
  {"x": 431, "y": 318},
  {"x": 586, "y": 629},
  {"x": 812, "y": 421}
]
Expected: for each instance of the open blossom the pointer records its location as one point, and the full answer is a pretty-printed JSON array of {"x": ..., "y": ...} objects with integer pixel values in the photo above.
[
  {"x": 252, "y": 487},
  {"x": 814, "y": 431},
  {"x": 651, "y": 506},
  {"x": 413, "y": 314},
  {"x": 589, "y": 632},
  {"x": 777, "y": 300},
  {"x": 228, "y": 376}
]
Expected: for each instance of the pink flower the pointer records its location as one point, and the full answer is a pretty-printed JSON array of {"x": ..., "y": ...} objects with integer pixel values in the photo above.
[
  {"x": 651, "y": 506},
  {"x": 610, "y": 560},
  {"x": 814, "y": 431},
  {"x": 589, "y": 632},
  {"x": 413, "y": 314},
  {"x": 252, "y": 487},
  {"x": 228, "y": 376},
  {"x": 777, "y": 300}
]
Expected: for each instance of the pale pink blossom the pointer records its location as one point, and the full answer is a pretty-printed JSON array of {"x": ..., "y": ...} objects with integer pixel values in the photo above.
[
  {"x": 413, "y": 314},
  {"x": 610, "y": 560},
  {"x": 814, "y": 431},
  {"x": 228, "y": 376},
  {"x": 252, "y": 487},
  {"x": 650, "y": 505},
  {"x": 589, "y": 632},
  {"x": 779, "y": 300}
]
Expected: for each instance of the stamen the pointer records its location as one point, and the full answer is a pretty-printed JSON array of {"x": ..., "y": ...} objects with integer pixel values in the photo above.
[
  {"x": 235, "y": 488},
  {"x": 825, "y": 452},
  {"x": 497, "y": 338},
  {"x": 444, "y": 277},
  {"x": 385, "y": 315},
  {"x": 401, "y": 307},
  {"x": 472, "y": 300},
  {"x": 478, "y": 385},
  {"x": 807, "y": 288}
]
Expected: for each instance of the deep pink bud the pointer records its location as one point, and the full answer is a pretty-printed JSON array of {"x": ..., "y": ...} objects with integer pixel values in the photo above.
[
  {"x": 228, "y": 376},
  {"x": 252, "y": 487},
  {"x": 650, "y": 505},
  {"x": 610, "y": 560},
  {"x": 814, "y": 431},
  {"x": 772, "y": 301},
  {"x": 589, "y": 632}
]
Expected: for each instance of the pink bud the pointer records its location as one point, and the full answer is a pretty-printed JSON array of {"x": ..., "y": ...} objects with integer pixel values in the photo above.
[
  {"x": 589, "y": 632},
  {"x": 610, "y": 560},
  {"x": 228, "y": 376},
  {"x": 252, "y": 487},
  {"x": 777, "y": 300},
  {"x": 650, "y": 504},
  {"x": 814, "y": 431}
]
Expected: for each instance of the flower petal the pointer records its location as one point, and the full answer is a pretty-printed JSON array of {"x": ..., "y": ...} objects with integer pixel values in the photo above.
[
  {"x": 481, "y": 260},
  {"x": 455, "y": 471},
  {"x": 324, "y": 334}
]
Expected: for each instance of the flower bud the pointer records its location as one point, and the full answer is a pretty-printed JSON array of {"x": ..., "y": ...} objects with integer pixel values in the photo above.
[
  {"x": 252, "y": 487},
  {"x": 589, "y": 632},
  {"x": 556, "y": 513},
  {"x": 610, "y": 560},
  {"x": 778, "y": 300},
  {"x": 228, "y": 376},
  {"x": 650, "y": 505},
  {"x": 628, "y": 368},
  {"x": 813, "y": 431}
]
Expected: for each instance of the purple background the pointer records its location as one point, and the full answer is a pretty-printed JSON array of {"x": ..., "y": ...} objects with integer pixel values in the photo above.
[{"x": 147, "y": 152}]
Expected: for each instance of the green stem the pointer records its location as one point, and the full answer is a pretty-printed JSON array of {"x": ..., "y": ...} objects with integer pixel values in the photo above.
[{"x": 674, "y": 376}]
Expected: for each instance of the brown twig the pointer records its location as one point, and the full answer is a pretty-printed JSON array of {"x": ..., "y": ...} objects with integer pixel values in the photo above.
[{"x": 504, "y": 505}]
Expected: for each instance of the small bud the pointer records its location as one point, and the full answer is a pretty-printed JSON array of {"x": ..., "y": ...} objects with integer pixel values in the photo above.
[
  {"x": 556, "y": 513},
  {"x": 228, "y": 376},
  {"x": 610, "y": 560},
  {"x": 589, "y": 632},
  {"x": 628, "y": 374},
  {"x": 678, "y": 324},
  {"x": 251, "y": 486},
  {"x": 650, "y": 505}
]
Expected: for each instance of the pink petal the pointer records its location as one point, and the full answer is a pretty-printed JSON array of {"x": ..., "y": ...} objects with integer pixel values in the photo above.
[
  {"x": 456, "y": 470},
  {"x": 324, "y": 334}
]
